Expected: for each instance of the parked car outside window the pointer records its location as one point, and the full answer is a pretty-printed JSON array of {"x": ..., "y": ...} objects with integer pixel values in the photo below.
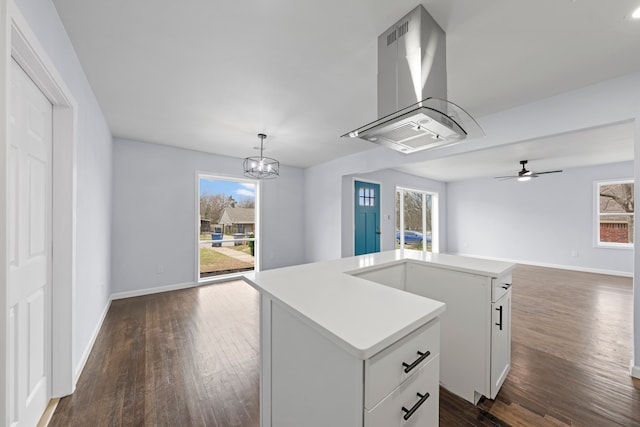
[{"x": 411, "y": 236}]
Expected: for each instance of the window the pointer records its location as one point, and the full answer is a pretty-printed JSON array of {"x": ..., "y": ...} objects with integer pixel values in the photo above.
[
  {"x": 227, "y": 232},
  {"x": 416, "y": 219},
  {"x": 615, "y": 207},
  {"x": 367, "y": 197}
]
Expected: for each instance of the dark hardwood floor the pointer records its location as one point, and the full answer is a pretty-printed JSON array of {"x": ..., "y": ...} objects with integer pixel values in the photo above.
[
  {"x": 571, "y": 350},
  {"x": 182, "y": 358},
  {"x": 190, "y": 357}
]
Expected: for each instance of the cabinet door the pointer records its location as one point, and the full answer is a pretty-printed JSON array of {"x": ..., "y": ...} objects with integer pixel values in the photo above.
[{"x": 500, "y": 342}]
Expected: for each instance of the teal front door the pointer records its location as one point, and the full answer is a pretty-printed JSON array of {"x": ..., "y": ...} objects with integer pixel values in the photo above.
[{"x": 367, "y": 217}]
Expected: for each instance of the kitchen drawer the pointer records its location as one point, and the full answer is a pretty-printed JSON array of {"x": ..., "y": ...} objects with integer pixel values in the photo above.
[
  {"x": 390, "y": 413},
  {"x": 385, "y": 371},
  {"x": 500, "y": 286}
]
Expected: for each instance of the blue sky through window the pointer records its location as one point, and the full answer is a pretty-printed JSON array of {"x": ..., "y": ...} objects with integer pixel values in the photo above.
[{"x": 239, "y": 190}]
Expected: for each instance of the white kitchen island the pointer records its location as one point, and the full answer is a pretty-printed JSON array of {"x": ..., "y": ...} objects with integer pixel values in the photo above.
[{"x": 350, "y": 342}]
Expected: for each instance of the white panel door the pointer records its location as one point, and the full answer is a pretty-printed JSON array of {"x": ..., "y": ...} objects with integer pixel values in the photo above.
[{"x": 29, "y": 252}]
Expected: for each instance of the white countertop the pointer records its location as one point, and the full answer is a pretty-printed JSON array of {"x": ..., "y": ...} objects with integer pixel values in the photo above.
[
  {"x": 361, "y": 316},
  {"x": 480, "y": 266}
]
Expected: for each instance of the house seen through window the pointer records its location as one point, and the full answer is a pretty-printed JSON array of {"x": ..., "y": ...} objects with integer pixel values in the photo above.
[
  {"x": 615, "y": 208},
  {"x": 227, "y": 232}
]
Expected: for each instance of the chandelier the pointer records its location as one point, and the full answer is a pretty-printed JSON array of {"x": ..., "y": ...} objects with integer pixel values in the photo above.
[{"x": 261, "y": 167}]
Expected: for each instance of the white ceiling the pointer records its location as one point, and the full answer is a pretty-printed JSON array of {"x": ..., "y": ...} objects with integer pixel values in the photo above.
[
  {"x": 588, "y": 147},
  {"x": 210, "y": 75}
]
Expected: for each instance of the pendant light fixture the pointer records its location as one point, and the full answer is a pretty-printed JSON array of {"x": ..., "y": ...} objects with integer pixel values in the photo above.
[{"x": 261, "y": 167}]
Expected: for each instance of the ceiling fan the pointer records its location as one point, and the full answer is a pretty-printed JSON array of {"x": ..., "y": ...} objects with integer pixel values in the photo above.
[{"x": 524, "y": 174}]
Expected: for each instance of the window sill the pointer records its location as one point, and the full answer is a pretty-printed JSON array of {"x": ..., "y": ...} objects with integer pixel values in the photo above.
[{"x": 623, "y": 246}]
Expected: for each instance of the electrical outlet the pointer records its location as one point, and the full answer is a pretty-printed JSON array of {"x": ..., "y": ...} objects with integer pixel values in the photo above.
[
  {"x": 574, "y": 253},
  {"x": 159, "y": 269}
]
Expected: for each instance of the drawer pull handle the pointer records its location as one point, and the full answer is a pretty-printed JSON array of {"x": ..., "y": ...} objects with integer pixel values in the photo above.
[
  {"x": 414, "y": 408},
  {"x": 506, "y": 286},
  {"x": 408, "y": 368},
  {"x": 499, "y": 321}
]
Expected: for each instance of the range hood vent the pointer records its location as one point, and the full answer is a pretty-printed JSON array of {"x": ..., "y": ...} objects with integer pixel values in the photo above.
[
  {"x": 429, "y": 123},
  {"x": 412, "y": 90}
]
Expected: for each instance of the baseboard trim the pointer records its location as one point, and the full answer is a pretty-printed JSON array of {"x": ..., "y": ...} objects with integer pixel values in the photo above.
[
  {"x": 549, "y": 265},
  {"x": 45, "y": 419},
  {"x": 89, "y": 347},
  {"x": 635, "y": 371},
  {"x": 149, "y": 291}
]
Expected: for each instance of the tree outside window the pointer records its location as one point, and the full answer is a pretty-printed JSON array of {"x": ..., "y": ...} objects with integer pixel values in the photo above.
[
  {"x": 228, "y": 223},
  {"x": 414, "y": 219},
  {"x": 615, "y": 213}
]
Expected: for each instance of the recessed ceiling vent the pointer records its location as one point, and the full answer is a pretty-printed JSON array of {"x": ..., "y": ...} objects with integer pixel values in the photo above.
[{"x": 412, "y": 90}]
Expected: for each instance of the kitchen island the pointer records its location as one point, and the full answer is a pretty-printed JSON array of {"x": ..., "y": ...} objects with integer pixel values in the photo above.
[{"x": 354, "y": 342}]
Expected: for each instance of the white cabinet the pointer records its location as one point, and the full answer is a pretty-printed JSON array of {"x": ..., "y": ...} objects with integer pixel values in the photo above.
[
  {"x": 417, "y": 397},
  {"x": 476, "y": 353},
  {"x": 500, "y": 342},
  {"x": 385, "y": 371},
  {"x": 307, "y": 380},
  {"x": 338, "y": 350}
]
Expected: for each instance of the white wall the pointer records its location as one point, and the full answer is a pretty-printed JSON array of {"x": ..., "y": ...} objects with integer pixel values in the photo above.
[
  {"x": 389, "y": 179},
  {"x": 541, "y": 221},
  {"x": 601, "y": 104},
  {"x": 94, "y": 156},
  {"x": 154, "y": 214}
]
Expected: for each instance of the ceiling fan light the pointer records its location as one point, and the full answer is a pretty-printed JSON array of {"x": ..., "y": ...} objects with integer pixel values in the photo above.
[{"x": 524, "y": 178}]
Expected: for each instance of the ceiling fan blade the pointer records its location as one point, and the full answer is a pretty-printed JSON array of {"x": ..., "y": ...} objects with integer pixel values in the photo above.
[
  {"x": 524, "y": 174},
  {"x": 546, "y": 172}
]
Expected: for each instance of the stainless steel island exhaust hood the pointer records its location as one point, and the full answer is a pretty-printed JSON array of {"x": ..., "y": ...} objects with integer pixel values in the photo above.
[{"x": 412, "y": 90}]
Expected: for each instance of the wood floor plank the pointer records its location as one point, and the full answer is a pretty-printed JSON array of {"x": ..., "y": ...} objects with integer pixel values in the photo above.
[
  {"x": 571, "y": 348},
  {"x": 182, "y": 358},
  {"x": 190, "y": 358}
]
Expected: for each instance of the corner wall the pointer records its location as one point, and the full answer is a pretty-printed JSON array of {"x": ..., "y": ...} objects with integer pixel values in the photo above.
[{"x": 154, "y": 214}]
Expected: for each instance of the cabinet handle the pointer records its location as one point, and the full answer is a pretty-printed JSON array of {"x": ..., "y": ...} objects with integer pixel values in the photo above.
[
  {"x": 408, "y": 368},
  {"x": 500, "y": 321},
  {"x": 506, "y": 286},
  {"x": 414, "y": 408}
]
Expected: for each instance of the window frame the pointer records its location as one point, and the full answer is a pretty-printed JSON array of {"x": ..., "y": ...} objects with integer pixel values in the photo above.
[
  {"x": 257, "y": 230},
  {"x": 435, "y": 235},
  {"x": 596, "y": 223},
  {"x": 367, "y": 197}
]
